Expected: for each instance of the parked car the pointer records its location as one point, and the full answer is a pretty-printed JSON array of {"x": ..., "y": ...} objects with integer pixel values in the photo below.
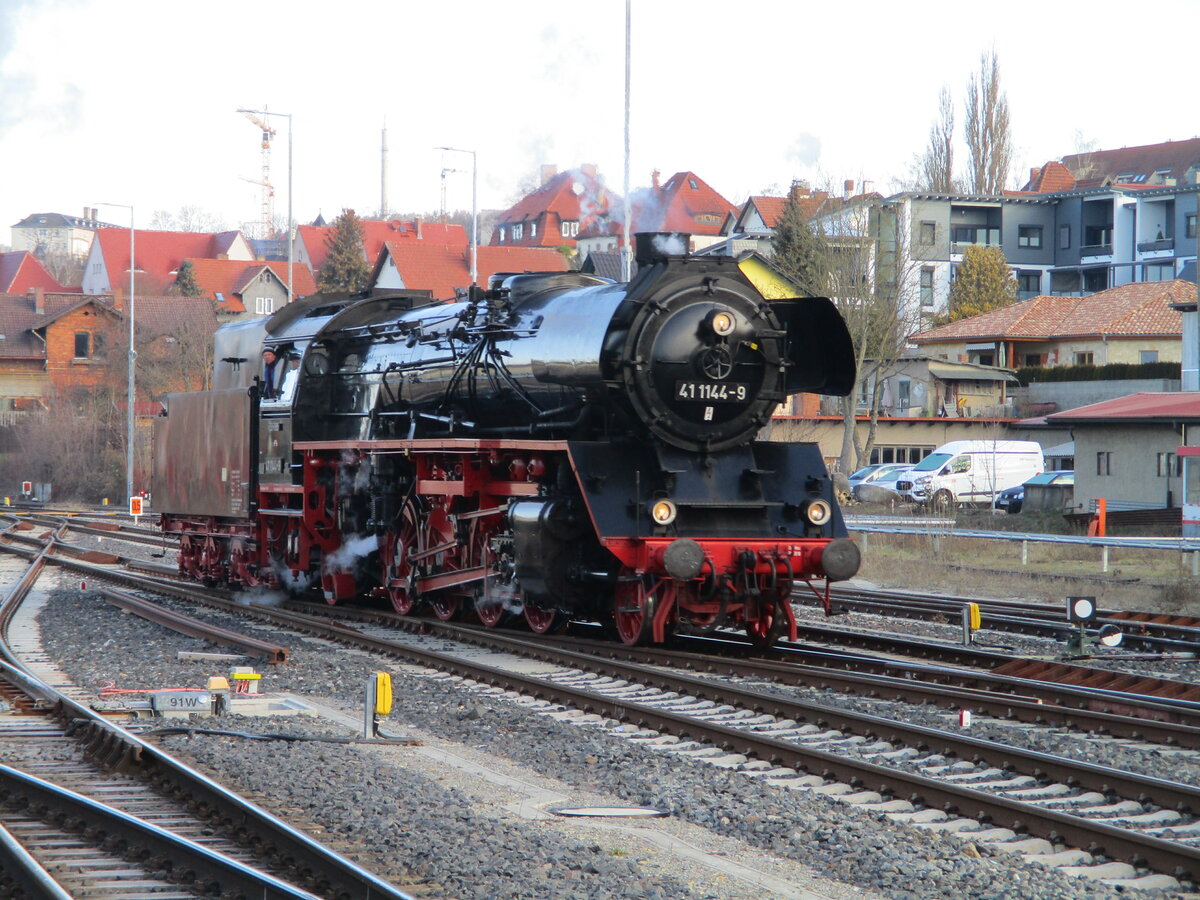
[
  {"x": 883, "y": 489},
  {"x": 1013, "y": 499},
  {"x": 872, "y": 473}
]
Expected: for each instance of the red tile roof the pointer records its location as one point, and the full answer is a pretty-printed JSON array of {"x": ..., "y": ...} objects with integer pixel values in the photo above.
[
  {"x": 159, "y": 254},
  {"x": 441, "y": 268},
  {"x": 1132, "y": 310},
  {"x": 770, "y": 209},
  {"x": 230, "y": 277},
  {"x": 376, "y": 233},
  {"x": 578, "y": 195},
  {"x": 19, "y": 317},
  {"x": 1053, "y": 176},
  {"x": 1143, "y": 407},
  {"x": 685, "y": 203},
  {"x": 20, "y": 270}
]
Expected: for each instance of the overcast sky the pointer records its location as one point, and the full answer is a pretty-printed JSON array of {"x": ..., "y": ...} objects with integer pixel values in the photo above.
[{"x": 134, "y": 101}]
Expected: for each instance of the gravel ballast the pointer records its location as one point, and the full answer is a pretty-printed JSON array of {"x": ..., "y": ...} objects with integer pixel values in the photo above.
[{"x": 399, "y": 814}]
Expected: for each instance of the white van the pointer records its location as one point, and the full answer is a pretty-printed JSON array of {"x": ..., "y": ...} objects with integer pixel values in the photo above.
[{"x": 971, "y": 472}]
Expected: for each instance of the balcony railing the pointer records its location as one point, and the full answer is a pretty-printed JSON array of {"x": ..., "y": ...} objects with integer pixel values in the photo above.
[
  {"x": 1096, "y": 250},
  {"x": 1156, "y": 246},
  {"x": 960, "y": 247}
]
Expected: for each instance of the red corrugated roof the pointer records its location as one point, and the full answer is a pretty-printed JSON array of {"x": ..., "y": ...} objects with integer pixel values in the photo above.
[
  {"x": 1140, "y": 309},
  {"x": 1136, "y": 407}
]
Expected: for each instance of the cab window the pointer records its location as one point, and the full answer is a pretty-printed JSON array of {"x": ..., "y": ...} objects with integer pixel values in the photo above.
[{"x": 959, "y": 465}]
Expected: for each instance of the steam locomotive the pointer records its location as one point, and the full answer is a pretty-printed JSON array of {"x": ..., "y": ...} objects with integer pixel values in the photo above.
[{"x": 555, "y": 447}]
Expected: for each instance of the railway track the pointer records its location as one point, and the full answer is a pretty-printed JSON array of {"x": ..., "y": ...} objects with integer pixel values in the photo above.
[
  {"x": 85, "y": 787},
  {"x": 1126, "y": 816},
  {"x": 1148, "y": 631}
]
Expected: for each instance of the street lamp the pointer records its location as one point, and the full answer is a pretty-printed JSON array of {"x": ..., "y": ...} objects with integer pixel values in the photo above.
[
  {"x": 132, "y": 356},
  {"x": 474, "y": 211},
  {"x": 288, "y": 116}
]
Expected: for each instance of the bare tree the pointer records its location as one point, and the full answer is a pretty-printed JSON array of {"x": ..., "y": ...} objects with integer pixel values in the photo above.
[
  {"x": 187, "y": 218},
  {"x": 935, "y": 169},
  {"x": 988, "y": 131},
  {"x": 872, "y": 277}
]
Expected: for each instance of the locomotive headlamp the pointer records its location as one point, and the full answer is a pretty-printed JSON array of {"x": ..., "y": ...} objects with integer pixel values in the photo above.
[
  {"x": 663, "y": 512},
  {"x": 722, "y": 323},
  {"x": 818, "y": 512}
]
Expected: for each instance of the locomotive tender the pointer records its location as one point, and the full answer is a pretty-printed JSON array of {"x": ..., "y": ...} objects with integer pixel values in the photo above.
[{"x": 559, "y": 446}]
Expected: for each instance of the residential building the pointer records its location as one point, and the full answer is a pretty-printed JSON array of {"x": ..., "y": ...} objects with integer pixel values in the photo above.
[
  {"x": 258, "y": 288},
  {"x": 685, "y": 204},
  {"x": 927, "y": 386},
  {"x": 444, "y": 270},
  {"x": 20, "y": 271},
  {"x": 554, "y": 214},
  {"x": 159, "y": 254},
  {"x": 1133, "y": 323},
  {"x": 753, "y": 226},
  {"x": 1167, "y": 164},
  {"x": 56, "y": 234},
  {"x": 52, "y": 344}
]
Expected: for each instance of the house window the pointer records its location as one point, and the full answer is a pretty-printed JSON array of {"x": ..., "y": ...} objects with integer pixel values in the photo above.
[
  {"x": 1085, "y": 358},
  {"x": 518, "y": 232},
  {"x": 264, "y": 306},
  {"x": 1104, "y": 462},
  {"x": 1064, "y": 237},
  {"x": 533, "y": 229},
  {"x": 927, "y": 286},
  {"x": 1189, "y": 225},
  {"x": 904, "y": 392},
  {"x": 1168, "y": 465},
  {"x": 692, "y": 184},
  {"x": 1097, "y": 235},
  {"x": 1029, "y": 282},
  {"x": 1159, "y": 272},
  {"x": 570, "y": 229},
  {"x": 99, "y": 346},
  {"x": 1029, "y": 236},
  {"x": 83, "y": 345},
  {"x": 928, "y": 233},
  {"x": 1033, "y": 359},
  {"x": 502, "y": 235},
  {"x": 1148, "y": 356}
]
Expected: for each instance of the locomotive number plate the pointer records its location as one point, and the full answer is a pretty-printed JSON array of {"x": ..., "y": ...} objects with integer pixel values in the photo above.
[{"x": 712, "y": 392}]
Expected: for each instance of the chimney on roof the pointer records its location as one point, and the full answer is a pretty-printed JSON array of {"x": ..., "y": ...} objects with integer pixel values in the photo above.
[
  {"x": 589, "y": 169},
  {"x": 38, "y": 296},
  {"x": 654, "y": 179},
  {"x": 548, "y": 172},
  {"x": 848, "y": 187},
  {"x": 799, "y": 189},
  {"x": 418, "y": 224},
  {"x": 1034, "y": 172}
]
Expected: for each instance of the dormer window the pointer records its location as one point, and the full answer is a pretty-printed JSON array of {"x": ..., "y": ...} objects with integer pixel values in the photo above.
[
  {"x": 692, "y": 184},
  {"x": 570, "y": 229},
  {"x": 533, "y": 229},
  {"x": 518, "y": 231},
  {"x": 502, "y": 235}
]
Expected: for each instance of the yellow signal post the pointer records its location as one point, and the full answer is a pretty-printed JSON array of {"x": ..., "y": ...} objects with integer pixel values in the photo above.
[
  {"x": 377, "y": 702},
  {"x": 972, "y": 619}
]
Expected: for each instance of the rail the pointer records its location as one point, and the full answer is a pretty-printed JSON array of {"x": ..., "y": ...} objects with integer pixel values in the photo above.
[{"x": 942, "y": 528}]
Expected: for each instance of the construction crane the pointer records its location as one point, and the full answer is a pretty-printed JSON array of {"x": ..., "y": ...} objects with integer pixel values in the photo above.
[{"x": 267, "y": 222}]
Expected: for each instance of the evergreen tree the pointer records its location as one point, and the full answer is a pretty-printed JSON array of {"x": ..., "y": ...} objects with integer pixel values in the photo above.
[
  {"x": 984, "y": 282},
  {"x": 185, "y": 281},
  {"x": 800, "y": 251},
  {"x": 345, "y": 268}
]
